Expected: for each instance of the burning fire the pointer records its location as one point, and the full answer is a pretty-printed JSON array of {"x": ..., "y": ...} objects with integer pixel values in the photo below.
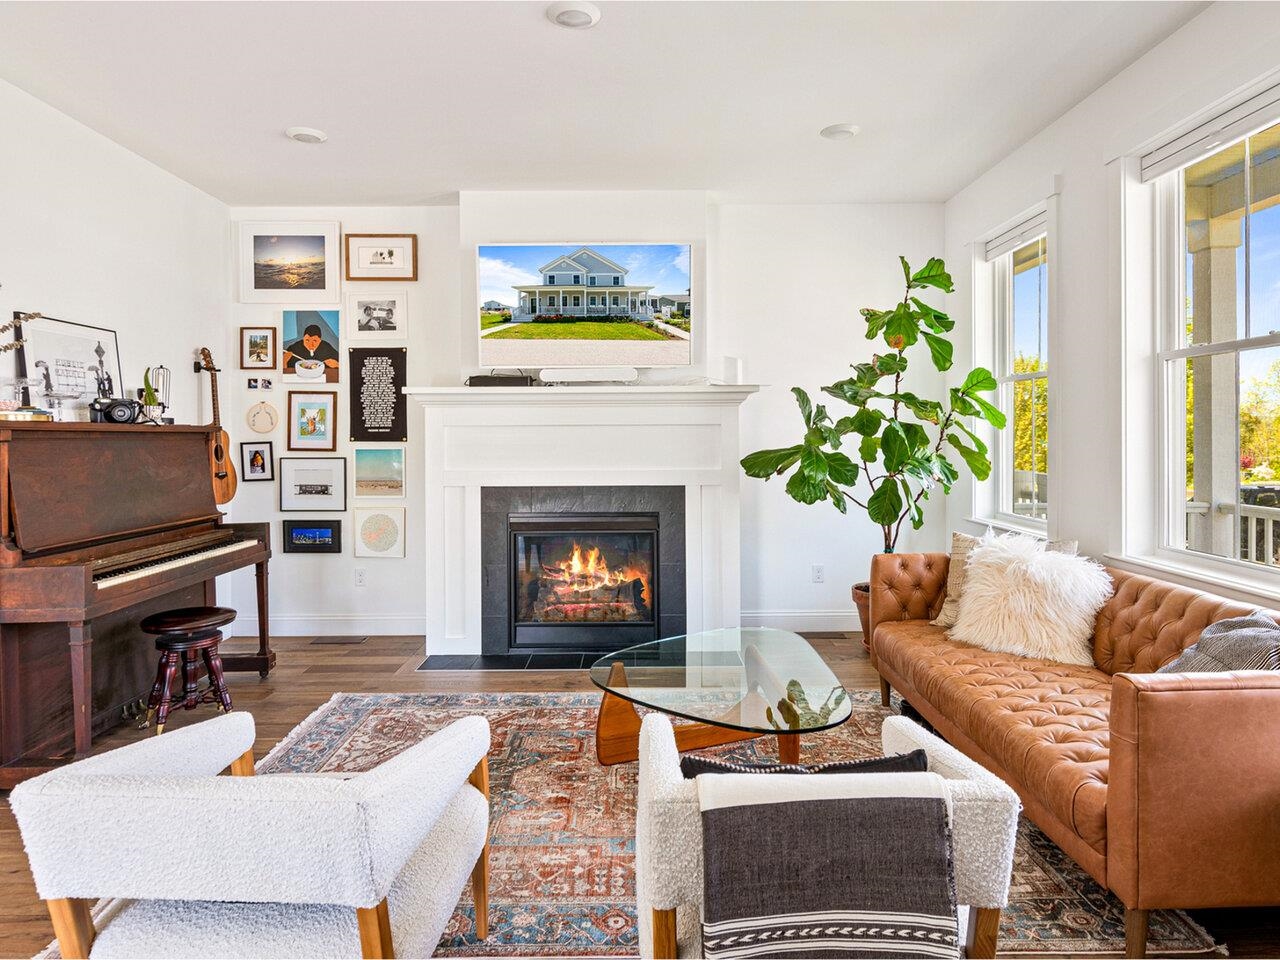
[{"x": 585, "y": 576}]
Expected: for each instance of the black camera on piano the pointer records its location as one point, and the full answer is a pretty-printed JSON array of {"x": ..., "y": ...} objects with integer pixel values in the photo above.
[{"x": 114, "y": 410}]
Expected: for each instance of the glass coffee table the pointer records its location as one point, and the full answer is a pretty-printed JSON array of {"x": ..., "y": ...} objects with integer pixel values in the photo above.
[{"x": 735, "y": 684}]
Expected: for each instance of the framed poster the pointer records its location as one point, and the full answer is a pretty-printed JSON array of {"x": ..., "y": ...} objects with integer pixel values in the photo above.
[
  {"x": 311, "y": 347},
  {"x": 313, "y": 421},
  {"x": 288, "y": 261},
  {"x": 379, "y": 408},
  {"x": 379, "y": 531},
  {"x": 73, "y": 362},
  {"x": 257, "y": 461},
  {"x": 313, "y": 483},
  {"x": 257, "y": 348},
  {"x": 381, "y": 256},
  {"x": 312, "y": 536},
  {"x": 378, "y": 315}
]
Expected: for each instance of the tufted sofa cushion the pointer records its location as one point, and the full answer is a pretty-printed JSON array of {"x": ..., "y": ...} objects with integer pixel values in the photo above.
[{"x": 1044, "y": 723}]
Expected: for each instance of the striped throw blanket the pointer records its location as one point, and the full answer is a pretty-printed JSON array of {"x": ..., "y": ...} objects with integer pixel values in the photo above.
[{"x": 838, "y": 865}]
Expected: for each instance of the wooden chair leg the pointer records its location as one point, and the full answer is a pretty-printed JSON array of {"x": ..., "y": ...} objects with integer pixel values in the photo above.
[
  {"x": 984, "y": 929},
  {"x": 480, "y": 872},
  {"x": 242, "y": 766},
  {"x": 370, "y": 925},
  {"x": 73, "y": 926},
  {"x": 384, "y": 931},
  {"x": 664, "y": 935},
  {"x": 885, "y": 691},
  {"x": 1135, "y": 932}
]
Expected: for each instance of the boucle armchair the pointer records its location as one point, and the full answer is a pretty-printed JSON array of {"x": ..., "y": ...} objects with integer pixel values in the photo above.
[
  {"x": 186, "y": 863},
  {"x": 984, "y": 823}
]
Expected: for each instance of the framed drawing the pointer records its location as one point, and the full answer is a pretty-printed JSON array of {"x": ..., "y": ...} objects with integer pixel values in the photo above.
[
  {"x": 379, "y": 472},
  {"x": 377, "y": 316},
  {"x": 379, "y": 531},
  {"x": 257, "y": 461},
  {"x": 381, "y": 256},
  {"x": 257, "y": 348},
  {"x": 313, "y": 421},
  {"x": 73, "y": 362},
  {"x": 379, "y": 408},
  {"x": 288, "y": 261},
  {"x": 312, "y": 536},
  {"x": 311, "y": 346},
  {"x": 313, "y": 483}
]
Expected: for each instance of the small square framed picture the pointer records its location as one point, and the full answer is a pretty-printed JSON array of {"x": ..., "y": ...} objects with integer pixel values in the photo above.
[
  {"x": 312, "y": 536},
  {"x": 260, "y": 383},
  {"x": 257, "y": 461},
  {"x": 377, "y": 315},
  {"x": 257, "y": 348},
  {"x": 313, "y": 483},
  {"x": 381, "y": 256},
  {"x": 313, "y": 421},
  {"x": 379, "y": 472},
  {"x": 379, "y": 531}
]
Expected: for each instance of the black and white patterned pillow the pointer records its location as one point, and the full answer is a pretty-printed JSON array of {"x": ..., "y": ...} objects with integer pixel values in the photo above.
[
  {"x": 1240, "y": 643},
  {"x": 917, "y": 761}
]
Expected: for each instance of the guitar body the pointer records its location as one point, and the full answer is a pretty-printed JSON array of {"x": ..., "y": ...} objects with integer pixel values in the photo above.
[{"x": 220, "y": 466}]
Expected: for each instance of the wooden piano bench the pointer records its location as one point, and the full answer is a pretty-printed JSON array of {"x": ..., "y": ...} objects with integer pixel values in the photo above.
[{"x": 181, "y": 636}]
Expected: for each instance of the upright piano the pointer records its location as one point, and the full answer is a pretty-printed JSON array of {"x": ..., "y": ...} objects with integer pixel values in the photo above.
[{"x": 101, "y": 525}]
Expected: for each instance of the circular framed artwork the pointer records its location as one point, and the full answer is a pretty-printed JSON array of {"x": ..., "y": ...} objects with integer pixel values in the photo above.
[
  {"x": 262, "y": 417},
  {"x": 379, "y": 532}
]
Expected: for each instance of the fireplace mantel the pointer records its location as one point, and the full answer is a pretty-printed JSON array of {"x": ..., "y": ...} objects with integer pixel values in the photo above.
[{"x": 477, "y": 437}]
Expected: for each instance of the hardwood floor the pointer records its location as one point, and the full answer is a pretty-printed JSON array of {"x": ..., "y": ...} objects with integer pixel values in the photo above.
[{"x": 308, "y": 674}]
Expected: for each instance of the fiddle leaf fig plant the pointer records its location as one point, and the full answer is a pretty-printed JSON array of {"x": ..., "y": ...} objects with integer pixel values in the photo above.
[{"x": 900, "y": 445}]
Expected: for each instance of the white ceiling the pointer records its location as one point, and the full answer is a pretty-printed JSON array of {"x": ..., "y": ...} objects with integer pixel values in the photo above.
[{"x": 421, "y": 100}]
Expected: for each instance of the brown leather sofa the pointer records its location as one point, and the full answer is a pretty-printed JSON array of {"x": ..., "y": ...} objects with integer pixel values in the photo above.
[{"x": 1164, "y": 787}]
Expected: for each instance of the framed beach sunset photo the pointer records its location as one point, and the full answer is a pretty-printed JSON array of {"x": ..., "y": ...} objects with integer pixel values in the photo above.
[{"x": 288, "y": 262}]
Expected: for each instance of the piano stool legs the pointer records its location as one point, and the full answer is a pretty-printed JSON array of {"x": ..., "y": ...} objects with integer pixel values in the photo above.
[{"x": 184, "y": 653}]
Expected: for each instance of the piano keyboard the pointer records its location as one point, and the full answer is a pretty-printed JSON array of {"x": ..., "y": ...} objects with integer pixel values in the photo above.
[{"x": 118, "y": 577}]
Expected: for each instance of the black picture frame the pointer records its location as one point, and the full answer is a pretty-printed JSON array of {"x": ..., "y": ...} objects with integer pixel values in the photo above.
[
  {"x": 389, "y": 359},
  {"x": 327, "y": 536},
  {"x": 245, "y": 475},
  {"x": 27, "y": 334}
]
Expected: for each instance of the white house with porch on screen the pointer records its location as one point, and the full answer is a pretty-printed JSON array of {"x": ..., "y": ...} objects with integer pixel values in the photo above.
[{"x": 583, "y": 284}]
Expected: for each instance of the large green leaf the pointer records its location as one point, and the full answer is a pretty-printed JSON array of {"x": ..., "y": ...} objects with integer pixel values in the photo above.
[
  {"x": 933, "y": 274},
  {"x": 876, "y": 319},
  {"x": 979, "y": 378},
  {"x": 813, "y": 463},
  {"x": 946, "y": 470},
  {"x": 906, "y": 269},
  {"x": 913, "y": 506},
  {"x": 917, "y": 439},
  {"x": 978, "y": 443},
  {"x": 868, "y": 449},
  {"x": 935, "y": 319},
  {"x": 805, "y": 404},
  {"x": 851, "y": 392},
  {"x": 885, "y": 505},
  {"x": 978, "y": 465},
  {"x": 890, "y": 364},
  {"x": 837, "y": 497},
  {"x": 893, "y": 443},
  {"x": 867, "y": 421},
  {"x": 940, "y": 349},
  {"x": 990, "y": 413},
  {"x": 805, "y": 489},
  {"x": 902, "y": 330},
  {"x": 764, "y": 464},
  {"x": 841, "y": 470},
  {"x": 929, "y": 411}
]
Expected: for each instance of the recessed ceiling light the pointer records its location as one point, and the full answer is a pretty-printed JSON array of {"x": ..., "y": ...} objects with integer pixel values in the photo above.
[
  {"x": 306, "y": 134},
  {"x": 840, "y": 131},
  {"x": 574, "y": 14}
]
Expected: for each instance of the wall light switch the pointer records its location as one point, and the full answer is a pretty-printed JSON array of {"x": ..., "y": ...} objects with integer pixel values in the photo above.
[
  {"x": 818, "y": 573},
  {"x": 362, "y": 577}
]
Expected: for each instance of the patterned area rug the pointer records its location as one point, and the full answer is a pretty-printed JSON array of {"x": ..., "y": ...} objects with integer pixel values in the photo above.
[{"x": 561, "y": 873}]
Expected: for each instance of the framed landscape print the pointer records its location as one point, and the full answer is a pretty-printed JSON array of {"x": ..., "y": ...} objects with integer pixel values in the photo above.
[
  {"x": 379, "y": 408},
  {"x": 312, "y": 536},
  {"x": 313, "y": 483},
  {"x": 380, "y": 315},
  {"x": 257, "y": 461},
  {"x": 379, "y": 531},
  {"x": 313, "y": 421},
  {"x": 257, "y": 348},
  {"x": 73, "y": 362},
  {"x": 311, "y": 346},
  {"x": 381, "y": 256},
  {"x": 379, "y": 472},
  {"x": 288, "y": 261}
]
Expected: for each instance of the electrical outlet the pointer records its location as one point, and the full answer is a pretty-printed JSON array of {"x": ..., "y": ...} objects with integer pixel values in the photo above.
[
  {"x": 818, "y": 573},
  {"x": 362, "y": 577}
]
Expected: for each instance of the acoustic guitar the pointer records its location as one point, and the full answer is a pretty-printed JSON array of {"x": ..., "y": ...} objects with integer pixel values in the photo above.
[{"x": 224, "y": 472}]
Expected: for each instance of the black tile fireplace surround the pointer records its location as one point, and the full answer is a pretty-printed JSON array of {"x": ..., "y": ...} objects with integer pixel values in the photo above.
[{"x": 643, "y": 530}]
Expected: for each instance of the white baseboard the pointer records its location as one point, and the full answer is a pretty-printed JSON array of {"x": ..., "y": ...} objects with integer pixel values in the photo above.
[
  {"x": 818, "y": 621},
  {"x": 334, "y": 625}
]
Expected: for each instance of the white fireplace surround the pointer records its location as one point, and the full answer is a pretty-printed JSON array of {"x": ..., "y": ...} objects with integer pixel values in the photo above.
[{"x": 578, "y": 436}]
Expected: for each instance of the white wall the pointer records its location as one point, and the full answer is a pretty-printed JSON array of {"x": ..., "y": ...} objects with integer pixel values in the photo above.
[
  {"x": 790, "y": 281},
  {"x": 1175, "y": 80},
  {"x": 95, "y": 234}
]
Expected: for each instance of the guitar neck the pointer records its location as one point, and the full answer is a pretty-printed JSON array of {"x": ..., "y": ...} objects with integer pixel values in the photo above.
[{"x": 213, "y": 383}]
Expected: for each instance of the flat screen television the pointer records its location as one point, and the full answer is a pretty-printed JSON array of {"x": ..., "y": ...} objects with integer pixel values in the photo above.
[{"x": 585, "y": 305}]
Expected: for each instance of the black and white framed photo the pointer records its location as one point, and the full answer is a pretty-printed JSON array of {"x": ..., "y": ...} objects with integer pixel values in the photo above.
[
  {"x": 288, "y": 261},
  {"x": 381, "y": 256},
  {"x": 377, "y": 315},
  {"x": 313, "y": 483},
  {"x": 312, "y": 536},
  {"x": 73, "y": 362},
  {"x": 257, "y": 461}
]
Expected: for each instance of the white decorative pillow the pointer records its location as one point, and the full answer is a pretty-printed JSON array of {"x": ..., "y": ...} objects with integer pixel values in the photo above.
[{"x": 1021, "y": 598}]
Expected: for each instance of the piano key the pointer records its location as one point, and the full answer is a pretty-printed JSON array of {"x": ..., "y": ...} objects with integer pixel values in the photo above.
[{"x": 116, "y": 578}]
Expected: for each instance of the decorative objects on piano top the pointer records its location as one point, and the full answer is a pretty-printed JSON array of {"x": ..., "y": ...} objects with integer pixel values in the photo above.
[
  {"x": 257, "y": 461},
  {"x": 313, "y": 483},
  {"x": 312, "y": 536},
  {"x": 72, "y": 362},
  {"x": 288, "y": 262}
]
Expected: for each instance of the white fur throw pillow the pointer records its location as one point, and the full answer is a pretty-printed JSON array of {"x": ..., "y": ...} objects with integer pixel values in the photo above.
[{"x": 1021, "y": 598}]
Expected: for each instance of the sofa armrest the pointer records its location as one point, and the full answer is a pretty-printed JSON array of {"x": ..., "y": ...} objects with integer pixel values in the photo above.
[
  {"x": 906, "y": 586},
  {"x": 202, "y": 749},
  {"x": 1193, "y": 795}
]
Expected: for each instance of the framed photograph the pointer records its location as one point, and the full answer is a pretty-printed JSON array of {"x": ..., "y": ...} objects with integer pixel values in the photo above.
[
  {"x": 312, "y": 536},
  {"x": 377, "y": 316},
  {"x": 379, "y": 531},
  {"x": 288, "y": 261},
  {"x": 313, "y": 421},
  {"x": 379, "y": 407},
  {"x": 311, "y": 346},
  {"x": 379, "y": 472},
  {"x": 257, "y": 461},
  {"x": 313, "y": 483},
  {"x": 260, "y": 383},
  {"x": 73, "y": 362},
  {"x": 381, "y": 256},
  {"x": 257, "y": 348}
]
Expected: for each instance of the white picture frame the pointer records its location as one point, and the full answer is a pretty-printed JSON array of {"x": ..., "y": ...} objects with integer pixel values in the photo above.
[
  {"x": 381, "y": 315},
  {"x": 379, "y": 532},
  {"x": 313, "y": 483},
  {"x": 379, "y": 472},
  {"x": 305, "y": 269}
]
